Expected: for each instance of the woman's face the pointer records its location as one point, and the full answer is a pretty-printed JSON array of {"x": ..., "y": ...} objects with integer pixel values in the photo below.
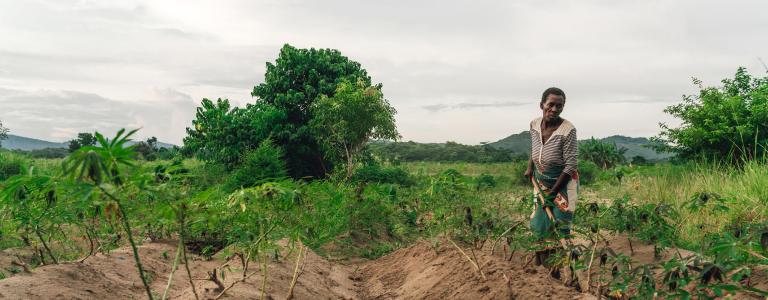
[{"x": 552, "y": 107}]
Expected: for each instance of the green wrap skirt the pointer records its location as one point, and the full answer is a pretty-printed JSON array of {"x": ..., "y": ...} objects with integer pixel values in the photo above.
[{"x": 561, "y": 204}]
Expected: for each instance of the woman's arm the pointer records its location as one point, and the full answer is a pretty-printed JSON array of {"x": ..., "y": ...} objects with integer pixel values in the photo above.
[{"x": 529, "y": 170}]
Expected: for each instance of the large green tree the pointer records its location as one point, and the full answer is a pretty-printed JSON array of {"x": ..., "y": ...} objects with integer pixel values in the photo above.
[
  {"x": 724, "y": 123},
  {"x": 345, "y": 122},
  {"x": 147, "y": 149},
  {"x": 283, "y": 112},
  {"x": 223, "y": 133},
  {"x": 292, "y": 84},
  {"x": 83, "y": 139}
]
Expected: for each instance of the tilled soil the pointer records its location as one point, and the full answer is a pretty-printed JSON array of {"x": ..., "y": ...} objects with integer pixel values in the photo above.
[
  {"x": 421, "y": 271},
  {"x": 425, "y": 270}
]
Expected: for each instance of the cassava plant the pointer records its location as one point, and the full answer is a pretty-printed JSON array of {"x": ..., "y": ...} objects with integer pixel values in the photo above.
[{"x": 104, "y": 169}]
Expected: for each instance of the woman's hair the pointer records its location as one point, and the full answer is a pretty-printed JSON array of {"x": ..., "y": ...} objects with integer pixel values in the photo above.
[{"x": 552, "y": 91}]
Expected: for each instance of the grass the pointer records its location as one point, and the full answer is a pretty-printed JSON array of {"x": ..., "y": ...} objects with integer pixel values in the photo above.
[
  {"x": 739, "y": 196},
  {"x": 469, "y": 169},
  {"x": 727, "y": 196}
]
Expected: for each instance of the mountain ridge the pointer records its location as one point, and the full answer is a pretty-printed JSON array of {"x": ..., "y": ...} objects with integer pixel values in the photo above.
[
  {"x": 636, "y": 146},
  {"x": 17, "y": 142}
]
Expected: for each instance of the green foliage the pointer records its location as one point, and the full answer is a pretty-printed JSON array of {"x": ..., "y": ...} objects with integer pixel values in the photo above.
[
  {"x": 728, "y": 123},
  {"x": 485, "y": 181},
  {"x": 638, "y": 160},
  {"x": 168, "y": 153},
  {"x": 11, "y": 164},
  {"x": 83, "y": 139},
  {"x": 588, "y": 172},
  {"x": 374, "y": 173},
  {"x": 3, "y": 133},
  {"x": 147, "y": 149},
  {"x": 292, "y": 85},
  {"x": 518, "y": 173},
  {"x": 47, "y": 153},
  {"x": 262, "y": 164},
  {"x": 286, "y": 106},
  {"x": 444, "y": 152},
  {"x": 222, "y": 134},
  {"x": 343, "y": 123},
  {"x": 603, "y": 154}
]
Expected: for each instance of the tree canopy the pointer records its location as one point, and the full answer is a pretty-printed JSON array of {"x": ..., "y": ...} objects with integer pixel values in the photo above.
[
  {"x": 292, "y": 84},
  {"x": 723, "y": 123},
  {"x": 83, "y": 139},
  {"x": 346, "y": 121},
  {"x": 284, "y": 112},
  {"x": 223, "y": 133}
]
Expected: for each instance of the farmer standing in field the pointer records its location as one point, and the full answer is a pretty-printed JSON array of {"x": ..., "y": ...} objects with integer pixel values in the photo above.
[{"x": 552, "y": 168}]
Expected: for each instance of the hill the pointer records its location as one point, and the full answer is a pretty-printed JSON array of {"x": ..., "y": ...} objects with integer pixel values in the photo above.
[
  {"x": 518, "y": 143},
  {"x": 15, "y": 142},
  {"x": 521, "y": 143},
  {"x": 635, "y": 146}
]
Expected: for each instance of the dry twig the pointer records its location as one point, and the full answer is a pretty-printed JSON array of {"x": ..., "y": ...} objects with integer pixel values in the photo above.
[
  {"x": 297, "y": 270},
  {"x": 468, "y": 258}
]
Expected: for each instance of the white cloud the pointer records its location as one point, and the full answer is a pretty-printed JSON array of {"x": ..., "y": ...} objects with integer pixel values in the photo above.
[{"x": 59, "y": 115}]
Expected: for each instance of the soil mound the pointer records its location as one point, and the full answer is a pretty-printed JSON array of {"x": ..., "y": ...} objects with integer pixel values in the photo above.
[
  {"x": 114, "y": 276},
  {"x": 423, "y": 271}
]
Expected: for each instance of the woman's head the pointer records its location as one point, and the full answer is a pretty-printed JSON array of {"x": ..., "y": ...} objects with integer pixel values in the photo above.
[{"x": 552, "y": 103}]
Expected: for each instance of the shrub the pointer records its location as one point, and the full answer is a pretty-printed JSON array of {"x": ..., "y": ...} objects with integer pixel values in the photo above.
[
  {"x": 485, "y": 181},
  {"x": 588, "y": 172},
  {"x": 638, "y": 160},
  {"x": 378, "y": 174},
  {"x": 47, "y": 153},
  {"x": 518, "y": 172},
  {"x": 11, "y": 164},
  {"x": 728, "y": 123},
  {"x": 602, "y": 154},
  {"x": 257, "y": 166}
]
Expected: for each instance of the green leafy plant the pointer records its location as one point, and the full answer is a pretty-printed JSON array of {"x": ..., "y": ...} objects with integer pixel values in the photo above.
[
  {"x": 99, "y": 168},
  {"x": 727, "y": 123}
]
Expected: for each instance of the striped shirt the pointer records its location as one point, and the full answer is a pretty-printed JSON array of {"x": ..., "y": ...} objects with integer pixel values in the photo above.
[{"x": 561, "y": 150}]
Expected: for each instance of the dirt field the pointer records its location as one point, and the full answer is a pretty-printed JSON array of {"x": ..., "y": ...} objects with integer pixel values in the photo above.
[
  {"x": 421, "y": 271},
  {"x": 417, "y": 272}
]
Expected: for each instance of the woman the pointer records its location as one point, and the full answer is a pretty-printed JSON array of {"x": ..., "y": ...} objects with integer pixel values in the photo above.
[{"x": 553, "y": 167}]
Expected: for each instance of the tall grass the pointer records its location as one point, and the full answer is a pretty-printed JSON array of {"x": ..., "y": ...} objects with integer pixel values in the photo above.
[{"x": 710, "y": 197}]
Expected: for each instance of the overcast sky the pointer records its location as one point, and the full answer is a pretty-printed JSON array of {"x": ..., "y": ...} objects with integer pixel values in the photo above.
[{"x": 465, "y": 71}]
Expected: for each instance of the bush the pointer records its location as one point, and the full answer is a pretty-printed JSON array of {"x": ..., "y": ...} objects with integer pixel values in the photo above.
[
  {"x": 588, "y": 172},
  {"x": 602, "y": 154},
  {"x": 485, "y": 181},
  {"x": 378, "y": 174},
  {"x": 10, "y": 165},
  {"x": 728, "y": 123},
  {"x": 257, "y": 166},
  {"x": 48, "y": 153},
  {"x": 518, "y": 173}
]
